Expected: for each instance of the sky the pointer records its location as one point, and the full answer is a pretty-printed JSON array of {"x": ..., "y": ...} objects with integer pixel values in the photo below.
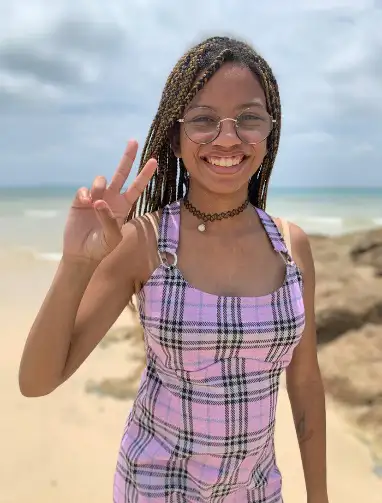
[{"x": 78, "y": 78}]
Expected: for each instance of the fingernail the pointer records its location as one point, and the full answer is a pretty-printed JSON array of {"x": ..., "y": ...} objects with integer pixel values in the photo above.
[{"x": 101, "y": 205}]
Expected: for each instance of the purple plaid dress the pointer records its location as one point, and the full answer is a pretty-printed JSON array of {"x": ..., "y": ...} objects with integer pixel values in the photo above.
[{"x": 202, "y": 426}]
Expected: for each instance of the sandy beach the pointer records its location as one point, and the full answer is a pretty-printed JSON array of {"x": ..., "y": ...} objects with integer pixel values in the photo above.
[{"x": 63, "y": 448}]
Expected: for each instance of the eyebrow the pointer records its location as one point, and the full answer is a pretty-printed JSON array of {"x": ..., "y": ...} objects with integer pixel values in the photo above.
[
  {"x": 243, "y": 106},
  {"x": 254, "y": 103}
]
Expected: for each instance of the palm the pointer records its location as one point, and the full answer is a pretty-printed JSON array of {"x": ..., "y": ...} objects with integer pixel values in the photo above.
[
  {"x": 91, "y": 233},
  {"x": 85, "y": 231}
]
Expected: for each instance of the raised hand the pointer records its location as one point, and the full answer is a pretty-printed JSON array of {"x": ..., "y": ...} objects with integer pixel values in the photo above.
[{"x": 93, "y": 227}]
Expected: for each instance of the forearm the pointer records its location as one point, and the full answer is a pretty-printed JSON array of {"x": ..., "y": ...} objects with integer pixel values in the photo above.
[
  {"x": 48, "y": 342},
  {"x": 308, "y": 408}
]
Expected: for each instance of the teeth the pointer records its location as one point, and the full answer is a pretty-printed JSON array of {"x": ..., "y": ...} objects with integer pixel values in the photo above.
[{"x": 225, "y": 161}]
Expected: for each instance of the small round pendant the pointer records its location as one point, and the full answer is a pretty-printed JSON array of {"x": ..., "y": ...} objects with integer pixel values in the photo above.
[{"x": 201, "y": 227}]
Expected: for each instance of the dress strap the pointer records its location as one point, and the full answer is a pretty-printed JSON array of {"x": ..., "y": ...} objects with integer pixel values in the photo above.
[
  {"x": 168, "y": 239},
  {"x": 274, "y": 233}
]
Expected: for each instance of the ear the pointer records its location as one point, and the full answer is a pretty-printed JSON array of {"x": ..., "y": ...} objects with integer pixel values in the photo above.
[{"x": 174, "y": 137}]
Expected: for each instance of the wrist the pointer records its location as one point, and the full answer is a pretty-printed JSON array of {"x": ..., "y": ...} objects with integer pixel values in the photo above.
[{"x": 77, "y": 266}]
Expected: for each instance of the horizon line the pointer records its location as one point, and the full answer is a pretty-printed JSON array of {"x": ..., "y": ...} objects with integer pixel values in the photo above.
[{"x": 290, "y": 187}]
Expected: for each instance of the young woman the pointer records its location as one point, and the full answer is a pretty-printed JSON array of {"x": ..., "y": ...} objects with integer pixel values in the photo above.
[{"x": 225, "y": 304}]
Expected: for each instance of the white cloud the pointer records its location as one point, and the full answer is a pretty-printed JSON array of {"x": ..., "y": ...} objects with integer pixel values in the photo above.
[{"x": 78, "y": 79}]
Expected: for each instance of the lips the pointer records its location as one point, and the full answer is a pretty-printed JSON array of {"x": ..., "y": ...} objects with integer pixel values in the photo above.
[{"x": 225, "y": 165}]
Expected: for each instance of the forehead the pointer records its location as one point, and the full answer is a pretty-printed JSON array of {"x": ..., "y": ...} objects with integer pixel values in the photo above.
[{"x": 229, "y": 88}]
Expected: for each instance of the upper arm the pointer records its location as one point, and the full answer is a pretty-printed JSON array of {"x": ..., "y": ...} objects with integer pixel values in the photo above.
[
  {"x": 113, "y": 284},
  {"x": 304, "y": 364}
]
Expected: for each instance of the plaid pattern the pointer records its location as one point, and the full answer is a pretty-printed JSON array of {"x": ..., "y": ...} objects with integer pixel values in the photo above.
[{"x": 202, "y": 425}]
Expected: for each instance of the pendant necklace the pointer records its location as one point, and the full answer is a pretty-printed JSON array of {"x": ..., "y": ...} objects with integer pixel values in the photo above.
[{"x": 211, "y": 217}]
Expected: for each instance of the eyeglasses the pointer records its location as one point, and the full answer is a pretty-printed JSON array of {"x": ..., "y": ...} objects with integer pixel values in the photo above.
[{"x": 202, "y": 125}]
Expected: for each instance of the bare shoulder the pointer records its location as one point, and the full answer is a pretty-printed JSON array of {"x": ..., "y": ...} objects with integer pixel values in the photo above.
[
  {"x": 299, "y": 237},
  {"x": 300, "y": 244}
]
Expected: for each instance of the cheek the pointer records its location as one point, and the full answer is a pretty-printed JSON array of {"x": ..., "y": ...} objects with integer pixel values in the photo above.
[
  {"x": 188, "y": 149},
  {"x": 260, "y": 151}
]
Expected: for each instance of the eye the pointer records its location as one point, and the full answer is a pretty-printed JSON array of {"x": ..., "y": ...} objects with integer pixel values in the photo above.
[
  {"x": 249, "y": 117},
  {"x": 204, "y": 119},
  {"x": 252, "y": 121}
]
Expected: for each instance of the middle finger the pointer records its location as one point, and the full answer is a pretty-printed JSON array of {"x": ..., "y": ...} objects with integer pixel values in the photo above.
[{"x": 124, "y": 167}]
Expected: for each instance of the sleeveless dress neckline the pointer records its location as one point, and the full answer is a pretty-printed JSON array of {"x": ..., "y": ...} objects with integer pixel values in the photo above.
[
  {"x": 170, "y": 245},
  {"x": 201, "y": 428}
]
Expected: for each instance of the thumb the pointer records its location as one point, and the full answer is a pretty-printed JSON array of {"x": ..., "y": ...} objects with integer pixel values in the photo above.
[{"x": 110, "y": 226}]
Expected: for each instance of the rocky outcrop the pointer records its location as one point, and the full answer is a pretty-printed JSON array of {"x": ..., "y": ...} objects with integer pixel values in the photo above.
[
  {"x": 369, "y": 251},
  {"x": 349, "y": 326},
  {"x": 351, "y": 368},
  {"x": 349, "y": 286}
]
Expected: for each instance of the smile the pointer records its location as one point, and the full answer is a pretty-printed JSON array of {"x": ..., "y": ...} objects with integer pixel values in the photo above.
[{"x": 225, "y": 162}]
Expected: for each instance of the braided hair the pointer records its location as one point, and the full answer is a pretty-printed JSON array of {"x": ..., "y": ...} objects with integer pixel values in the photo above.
[{"x": 170, "y": 181}]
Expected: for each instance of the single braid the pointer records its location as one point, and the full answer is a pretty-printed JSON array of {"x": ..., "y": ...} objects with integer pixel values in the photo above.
[{"x": 191, "y": 73}]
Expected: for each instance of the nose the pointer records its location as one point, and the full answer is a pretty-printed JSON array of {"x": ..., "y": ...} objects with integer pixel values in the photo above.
[{"x": 227, "y": 136}]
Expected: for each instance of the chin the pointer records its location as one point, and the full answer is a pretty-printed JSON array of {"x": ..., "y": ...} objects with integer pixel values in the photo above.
[{"x": 223, "y": 186}]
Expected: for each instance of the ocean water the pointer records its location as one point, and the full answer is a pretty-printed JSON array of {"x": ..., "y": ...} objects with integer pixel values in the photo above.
[{"x": 32, "y": 219}]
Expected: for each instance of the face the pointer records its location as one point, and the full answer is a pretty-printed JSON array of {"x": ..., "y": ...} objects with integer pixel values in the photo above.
[{"x": 226, "y": 164}]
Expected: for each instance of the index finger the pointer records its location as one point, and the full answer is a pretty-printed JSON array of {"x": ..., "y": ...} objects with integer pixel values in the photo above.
[{"x": 124, "y": 166}]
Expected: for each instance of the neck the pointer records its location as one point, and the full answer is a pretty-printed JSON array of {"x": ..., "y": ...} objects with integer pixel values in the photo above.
[{"x": 208, "y": 202}]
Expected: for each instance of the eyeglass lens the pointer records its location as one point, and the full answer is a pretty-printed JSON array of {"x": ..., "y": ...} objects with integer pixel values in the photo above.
[{"x": 202, "y": 125}]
